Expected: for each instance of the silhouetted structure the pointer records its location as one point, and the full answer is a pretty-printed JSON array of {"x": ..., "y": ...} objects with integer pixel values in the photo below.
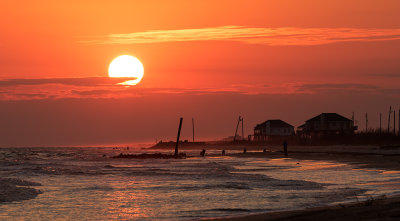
[
  {"x": 177, "y": 138},
  {"x": 272, "y": 128},
  {"x": 237, "y": 126},
  {"x": 327, "y": 123}
]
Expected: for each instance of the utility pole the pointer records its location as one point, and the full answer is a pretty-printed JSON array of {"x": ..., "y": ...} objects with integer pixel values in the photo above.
[
  {"x": 179, "y": 134},
  {"x": 366, "y": 122},
  {"x": 399, "y": 122},
  {"x": 380, "y": 123},
  {"x": 193, "y": 128}
]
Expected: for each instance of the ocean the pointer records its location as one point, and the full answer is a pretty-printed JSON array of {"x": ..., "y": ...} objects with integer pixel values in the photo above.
[{"x": 88, "y": 184}]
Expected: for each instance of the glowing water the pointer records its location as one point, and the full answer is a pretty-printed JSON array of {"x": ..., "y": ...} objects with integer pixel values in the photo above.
[{"x": 85, "y": 183}]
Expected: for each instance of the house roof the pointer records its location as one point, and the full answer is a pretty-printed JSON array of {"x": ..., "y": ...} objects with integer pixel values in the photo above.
[
  {"x": 302, "y": 126},
  {"x": 275, "y": 123},
  {"x": 329, "y": 117}
]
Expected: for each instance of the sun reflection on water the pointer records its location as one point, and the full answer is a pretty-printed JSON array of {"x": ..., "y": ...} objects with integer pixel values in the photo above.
[{"x": 128, "y": 205}]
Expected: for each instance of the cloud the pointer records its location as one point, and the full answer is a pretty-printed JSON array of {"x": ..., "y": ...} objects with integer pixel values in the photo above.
[
  {"x": 386, "y": 75},
  {"x": 104, "y": 88},
  {"x": 56, "y": 88},
  {"x": 313, "y": 88},
  {"x": 88, "y": 81},
  {"x": 266, "y": 36}
]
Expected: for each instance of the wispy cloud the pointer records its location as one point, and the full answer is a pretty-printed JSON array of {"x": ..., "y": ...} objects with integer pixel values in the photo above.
[
  {"x": 344, "y": 87},
  {"x": 103, "y": 88},
  {"x": 88, "y": 81},
  {"x": 267, "y": 36},
  {"x": 386, "y": 75},
  {"x": 56, "y": 88}
]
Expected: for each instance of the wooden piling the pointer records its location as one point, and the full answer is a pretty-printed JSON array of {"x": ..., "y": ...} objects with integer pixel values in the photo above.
[
  {"x": 380, "y": 123},
  {"x": 179, "y": 134},
  {"x": 390, "y": 113},
  {"x": 394, "y": 122}
]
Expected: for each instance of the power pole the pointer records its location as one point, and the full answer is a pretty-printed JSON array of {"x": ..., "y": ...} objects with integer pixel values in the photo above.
[
  {"x": 366, "y": 122},
  {"x": 380, "y": 123},
  {"x": 193, "y": 128},
  {"x": 179, "y": 134}
]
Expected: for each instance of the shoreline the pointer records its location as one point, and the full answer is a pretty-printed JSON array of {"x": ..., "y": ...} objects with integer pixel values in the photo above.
[
  {"x": 360, "y": 156},
  {"x": 381, "y": 208},
  {"x": 385, "y": 158},
  {"x": 372, "y": 209}
]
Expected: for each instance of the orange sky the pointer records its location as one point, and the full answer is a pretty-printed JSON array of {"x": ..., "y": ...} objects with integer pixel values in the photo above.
[{"x": 212, "y": 60}]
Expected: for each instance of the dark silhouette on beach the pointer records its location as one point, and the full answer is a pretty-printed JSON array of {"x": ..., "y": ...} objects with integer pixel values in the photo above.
[
  {"x": 285, "y": 148},
  {"x": 203, "y": 153}
]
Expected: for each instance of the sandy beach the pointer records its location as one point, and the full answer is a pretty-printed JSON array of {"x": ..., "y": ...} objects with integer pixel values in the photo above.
[
  {"x": 374, "y": 209},
  {"x": 382, "y": 208},
  {"x": 386, "y": 157}
]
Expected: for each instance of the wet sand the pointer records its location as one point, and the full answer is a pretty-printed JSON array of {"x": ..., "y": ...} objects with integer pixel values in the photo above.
[
  {"x": 385, "y": 158},
  {"x": 12, "y": 189},
  {"x": 379, "y": 209}
]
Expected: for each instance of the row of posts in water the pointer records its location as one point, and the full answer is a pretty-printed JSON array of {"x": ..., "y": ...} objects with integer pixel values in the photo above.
[{"x": 285, "y": 151}]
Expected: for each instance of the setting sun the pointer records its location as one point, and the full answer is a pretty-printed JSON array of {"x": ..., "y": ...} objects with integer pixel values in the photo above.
[{"x": 126, "y": 66}]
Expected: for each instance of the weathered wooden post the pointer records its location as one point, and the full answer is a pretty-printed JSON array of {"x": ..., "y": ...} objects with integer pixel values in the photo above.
[
  {"x": 179, "y": 134},
  {"x": 394, "y": 122},
  {"x": 390, "y": 113}
]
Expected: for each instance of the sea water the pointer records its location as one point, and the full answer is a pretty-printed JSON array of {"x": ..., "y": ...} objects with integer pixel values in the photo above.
[{"x": 88, "y": 184}]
